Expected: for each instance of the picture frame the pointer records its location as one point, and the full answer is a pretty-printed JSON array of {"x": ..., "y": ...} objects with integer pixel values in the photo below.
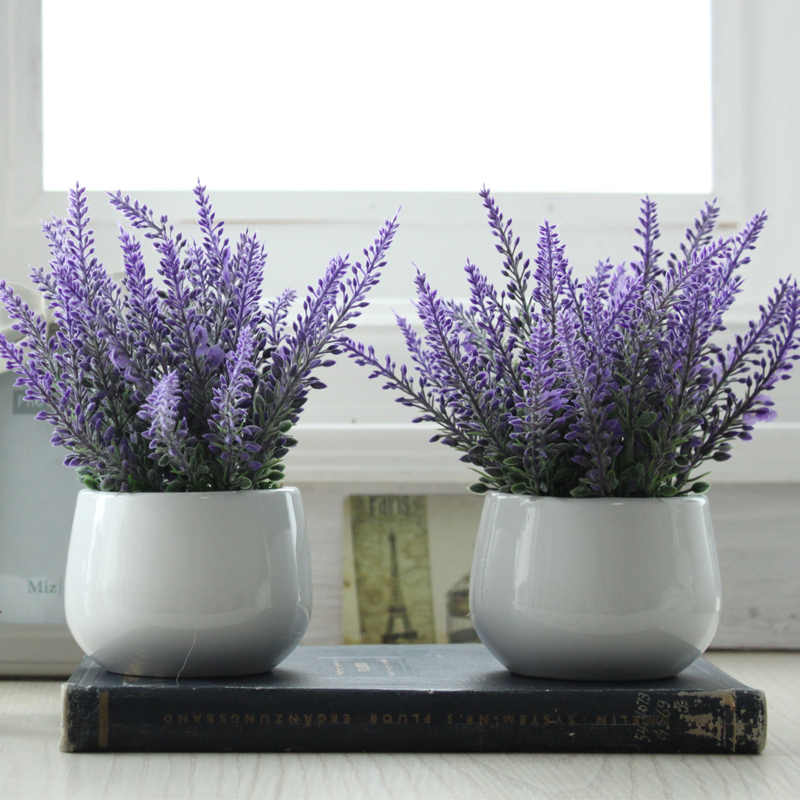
[
  {"x": 406, "y": 565},
  {"x": 37, "y": 500}
]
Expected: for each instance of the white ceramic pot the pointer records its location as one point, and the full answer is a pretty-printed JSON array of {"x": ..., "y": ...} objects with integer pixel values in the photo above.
[
  {"x": 607, "y": 588},
  {"x": 188, "y": 584}
]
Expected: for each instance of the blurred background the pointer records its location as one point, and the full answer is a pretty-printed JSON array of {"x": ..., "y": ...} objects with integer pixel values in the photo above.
[{"x": 313, "y": 122}]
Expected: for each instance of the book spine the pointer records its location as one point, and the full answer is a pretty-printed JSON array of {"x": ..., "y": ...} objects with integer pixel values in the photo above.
[{"x": 413, "y": 721}]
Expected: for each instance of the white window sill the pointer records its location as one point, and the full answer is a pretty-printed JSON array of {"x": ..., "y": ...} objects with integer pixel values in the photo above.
[{"x": 398, "y": 452}]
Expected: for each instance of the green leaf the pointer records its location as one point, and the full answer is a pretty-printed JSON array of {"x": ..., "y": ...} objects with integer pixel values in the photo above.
[
  {"x": 479, "y": 488},
  {"x": 632, "y": 477},
  {"x": 88, "y": 479},
  {"x": 700, "y": 487},
  {"x": 648, "y": 437},
  {"x": 646, "y": 418}
]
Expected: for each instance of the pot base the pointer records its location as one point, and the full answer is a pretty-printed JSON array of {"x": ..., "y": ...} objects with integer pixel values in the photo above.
[
  {"x": 227, "y": 652},
  {"x": 562, "y": 655}
]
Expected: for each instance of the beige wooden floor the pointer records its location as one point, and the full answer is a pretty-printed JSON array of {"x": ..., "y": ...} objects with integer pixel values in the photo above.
[{"x": 32, "y": 768}]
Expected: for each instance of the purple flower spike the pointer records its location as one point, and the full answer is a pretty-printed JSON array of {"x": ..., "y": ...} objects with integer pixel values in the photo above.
[
  {"x": 161, "y": 411},
  {"x": 193, "y": 386},
  {"x": 610, "y": 386}
]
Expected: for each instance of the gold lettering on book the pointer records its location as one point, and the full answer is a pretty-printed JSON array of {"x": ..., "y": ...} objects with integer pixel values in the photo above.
[
  {"x": 651, "y": 719},
  {"x": 657, "y": 720},
  {"x": 396, "y": 718},
  {"x": 251, "y": 719}
]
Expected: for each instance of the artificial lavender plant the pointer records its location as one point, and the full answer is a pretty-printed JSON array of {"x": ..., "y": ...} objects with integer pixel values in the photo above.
[
  {"x": 608, "y": 386},
  {"x": 189, "y": 385}
]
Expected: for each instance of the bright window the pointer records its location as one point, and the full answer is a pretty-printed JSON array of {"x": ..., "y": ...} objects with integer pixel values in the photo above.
[{"x": 573, "y": 96}]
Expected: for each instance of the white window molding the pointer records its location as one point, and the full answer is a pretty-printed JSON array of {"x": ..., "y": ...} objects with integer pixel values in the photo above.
[{"x": 342, "y": 453}]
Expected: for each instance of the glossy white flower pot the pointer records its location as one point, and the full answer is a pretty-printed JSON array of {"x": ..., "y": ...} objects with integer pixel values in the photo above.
[
  {"x": 188, "y": 584},
  {"x": 595, "y": 589}
]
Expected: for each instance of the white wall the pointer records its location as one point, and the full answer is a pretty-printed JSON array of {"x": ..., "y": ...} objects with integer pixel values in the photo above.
[{"x": 771, "y": 105}]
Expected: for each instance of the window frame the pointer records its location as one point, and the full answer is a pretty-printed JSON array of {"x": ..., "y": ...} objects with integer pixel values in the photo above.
[{"x": 25, "y": 200}]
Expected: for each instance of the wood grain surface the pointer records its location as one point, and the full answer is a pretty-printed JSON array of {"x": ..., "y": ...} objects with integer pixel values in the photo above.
[{"x": 32, "y": 767}]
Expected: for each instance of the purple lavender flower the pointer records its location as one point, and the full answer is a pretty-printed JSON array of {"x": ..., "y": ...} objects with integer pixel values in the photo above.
[
  {"x": 193, "y": 386},
  {"x": 231, "y": 438},
  {"x": 171, "y": 445},
  {"x": 610, "y": 386}
]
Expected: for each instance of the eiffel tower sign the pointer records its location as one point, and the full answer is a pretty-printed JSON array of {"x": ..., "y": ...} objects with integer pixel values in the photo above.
[{"x": 398, "y": 626}]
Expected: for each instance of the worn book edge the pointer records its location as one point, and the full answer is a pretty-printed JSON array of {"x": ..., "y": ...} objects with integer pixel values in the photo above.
[
  {"x": 744, "y": 732},
  {"x": 85, "y": 717}
]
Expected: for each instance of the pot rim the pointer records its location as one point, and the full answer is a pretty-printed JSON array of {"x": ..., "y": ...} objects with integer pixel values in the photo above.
[
  {"x": 696, "y": 498},
  {"x": 204, "y": 493}
]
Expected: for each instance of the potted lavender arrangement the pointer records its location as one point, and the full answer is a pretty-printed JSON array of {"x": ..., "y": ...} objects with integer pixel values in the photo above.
[
  {"x": 588, "y": 409},
  {"x": 175, "y": 401}
]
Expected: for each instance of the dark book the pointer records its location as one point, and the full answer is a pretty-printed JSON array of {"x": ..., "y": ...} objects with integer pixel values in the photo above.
[{"x": 423, "y": 698}]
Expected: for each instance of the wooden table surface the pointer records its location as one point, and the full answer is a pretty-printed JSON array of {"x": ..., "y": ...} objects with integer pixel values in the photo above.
[{"x": 31, "y": 766}]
